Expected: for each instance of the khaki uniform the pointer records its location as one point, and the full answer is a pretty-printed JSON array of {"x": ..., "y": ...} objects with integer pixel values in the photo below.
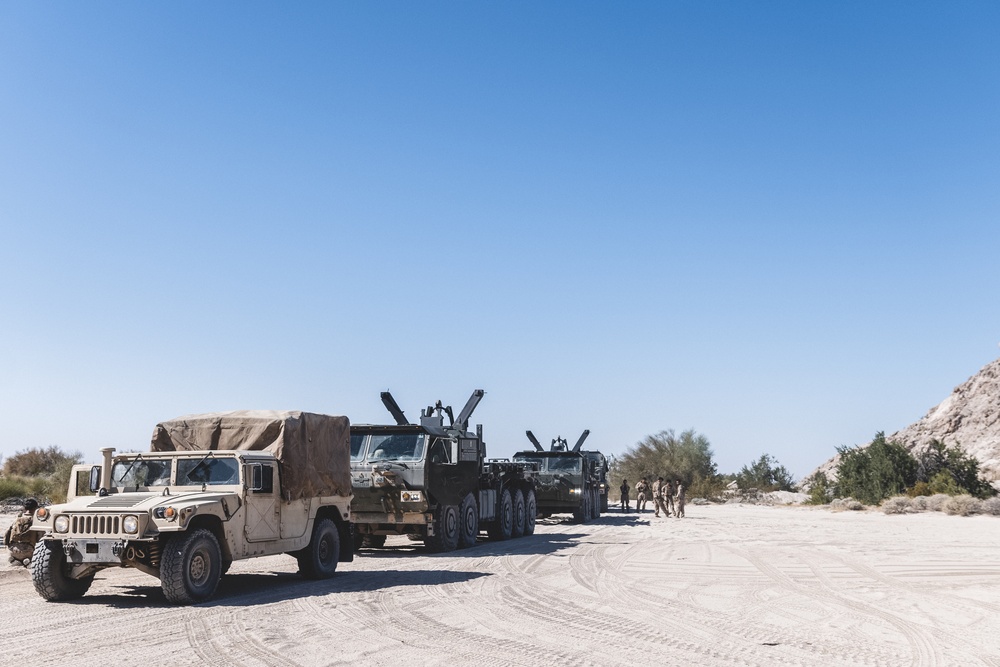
[
  {"x": 641, "y": 496},
  {"x": 680, "y": 500},
  {"x": 658, "y": 498},
  {"x": 20, "y": 539},
  {"x": 624, "y": 491},
  {"x": 668, "y": 498}
]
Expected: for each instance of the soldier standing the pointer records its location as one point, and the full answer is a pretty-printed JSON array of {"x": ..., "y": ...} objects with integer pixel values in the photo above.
[
  {"x": 642, "y": 493},
  {"x": 20, "y": 539},
  {"x": 657, "y": 496},
  {"x": 668, "y": 497},
  {"x": 624, "y": 490},
  {"x": 680, "y": 499}
]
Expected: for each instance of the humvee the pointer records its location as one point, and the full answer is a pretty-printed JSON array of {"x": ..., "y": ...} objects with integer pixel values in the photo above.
[{"x": 213, "y": 489}]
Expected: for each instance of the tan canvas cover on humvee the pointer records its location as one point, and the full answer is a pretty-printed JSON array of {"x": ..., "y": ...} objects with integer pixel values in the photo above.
[{"x": 314, "y": 450}]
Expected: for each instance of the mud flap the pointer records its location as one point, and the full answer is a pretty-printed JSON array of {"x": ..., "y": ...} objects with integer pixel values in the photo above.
[{"x": 346, "y": 531}]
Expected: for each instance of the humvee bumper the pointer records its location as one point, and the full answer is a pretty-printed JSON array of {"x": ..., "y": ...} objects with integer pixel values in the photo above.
[{"x": 79, "y": 551}]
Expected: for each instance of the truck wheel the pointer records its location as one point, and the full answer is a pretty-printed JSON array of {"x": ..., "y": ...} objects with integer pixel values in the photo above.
[
  {"x": 596, "y": 495},
  {"x": 604, "y": 503},
  {"x": 319, "y": 560},
  {"x": 468, "y": 518},
  {"x": 48, "y": 574},
  {"x": 517, "y": 527},
  {"x": 501, "y": 527},
  {"x": 446, "y": 530},
  {"x": 530, "y": 513},
  {"x": 191, "y": 567}
]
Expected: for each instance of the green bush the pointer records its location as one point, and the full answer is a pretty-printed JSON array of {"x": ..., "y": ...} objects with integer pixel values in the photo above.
[
  {"x": 14, "y": 487},
  {"x": 38, "y": 461},
  {"x": 873, "y": 473},
  {"x": 766, "y": 475},
  {"x": 687, "y": 457},
  {"x": 950, "y": 470},
  {"x": 820, "y": 489}
]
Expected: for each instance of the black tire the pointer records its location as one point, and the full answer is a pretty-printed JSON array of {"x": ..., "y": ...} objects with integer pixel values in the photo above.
[
  {"x": 48, "y": 574},
  {"x": 517, "y": 526},
  {"x": 604, "y": 503},
  {"x": 597, "y": 504},
  {"x": 446, "y": 531},
  {"x": 501, "y": 527},
  {"x": 530, "y": 513},
  {"x": 190, "y": 567},
  {"x": 468, "y": 522},
  {"x": 319, "y": 560}
]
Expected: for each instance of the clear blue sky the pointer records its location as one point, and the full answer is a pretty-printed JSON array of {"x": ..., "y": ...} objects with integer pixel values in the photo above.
[{"x": 773, "y": 222}]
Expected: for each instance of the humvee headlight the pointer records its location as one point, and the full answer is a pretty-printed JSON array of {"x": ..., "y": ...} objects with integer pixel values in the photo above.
[
  {"x": 168, "y": 513},
  {"x": 130, "y": 525},
  {"x": 42, "y": 514},
  {"x": 61, "y": 524}
]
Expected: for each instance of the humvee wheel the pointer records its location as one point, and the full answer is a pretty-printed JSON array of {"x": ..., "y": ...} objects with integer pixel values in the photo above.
[
  {"x": 191, "y": 567},
  {"x": 501, "y": 528},
  {"x": 446, "y": 530},
  {"x": 319, "y": 559},
  {"x": 517, "y": 526},
  {"x": 48, "y": 574},
  {"x": 468, "y": 519},
  {"x": 530, "y": 513}
]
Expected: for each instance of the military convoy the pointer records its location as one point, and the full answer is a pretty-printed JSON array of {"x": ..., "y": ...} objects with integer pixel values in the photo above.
[
  {"x": 221, "y": 487},
  {"x": 569, "y": 481},
  {"x": 433, "y": 482},
  {"x": 214, "y": 489}
]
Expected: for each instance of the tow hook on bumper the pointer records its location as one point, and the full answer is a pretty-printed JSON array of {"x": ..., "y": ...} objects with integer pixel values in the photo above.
[{"x": 93, "y": 551}]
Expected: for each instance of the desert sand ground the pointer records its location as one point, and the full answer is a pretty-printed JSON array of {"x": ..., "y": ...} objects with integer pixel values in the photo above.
[{"x": 729, "y": 585}]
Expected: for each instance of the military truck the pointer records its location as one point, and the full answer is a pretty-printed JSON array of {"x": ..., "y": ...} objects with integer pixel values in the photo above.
[
  {"x": 433, "y": 482},
  {"x": 214, "y": 489},
  {"x": 569, "y": 480}
]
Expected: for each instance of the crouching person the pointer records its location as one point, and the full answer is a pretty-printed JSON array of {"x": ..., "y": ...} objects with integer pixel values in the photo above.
[{"x": 20, "y": 539}]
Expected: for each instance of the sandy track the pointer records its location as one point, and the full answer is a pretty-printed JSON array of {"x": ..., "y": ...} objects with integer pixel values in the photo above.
[{"x": 730, "y": 585}]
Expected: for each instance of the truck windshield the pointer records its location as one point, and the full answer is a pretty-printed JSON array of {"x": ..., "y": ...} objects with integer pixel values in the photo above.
[
  {"x": 142, "y": 472},
  {"x": 563, "y": 464},
  {"x": 211, "y": 471},
  {"x": 396, "y": 447},
  {"x": 357, "y": 447}
]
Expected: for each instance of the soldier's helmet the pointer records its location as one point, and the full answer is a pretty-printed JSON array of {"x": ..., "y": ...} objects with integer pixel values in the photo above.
[{"x": 30, "y": 505}]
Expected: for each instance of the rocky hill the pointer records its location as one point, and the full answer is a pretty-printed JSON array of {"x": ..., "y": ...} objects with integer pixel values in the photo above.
[{"x": 969, "y": 417}]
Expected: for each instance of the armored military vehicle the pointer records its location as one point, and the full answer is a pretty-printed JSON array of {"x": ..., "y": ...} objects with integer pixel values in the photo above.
[
  {"x": 213, "y": 489},
  {"x": 433, "y": 482},
  {"x": 569, "y": 481}
]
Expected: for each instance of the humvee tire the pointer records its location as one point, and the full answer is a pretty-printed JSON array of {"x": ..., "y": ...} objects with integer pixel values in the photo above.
[
  {"x": 530, "y": 513},
  {"x": 191, "y": 567},
  {"x": 517, "y": 526},
  {"x": 446, "y": 530},
  {"x": 501, "y": 528},
  {"x": 319, "y": 559},
  {"x": 48, "y": 576},
  {"x": 468, "y": 520}
]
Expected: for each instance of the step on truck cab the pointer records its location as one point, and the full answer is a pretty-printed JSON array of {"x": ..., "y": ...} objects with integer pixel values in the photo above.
[
  {"x": 213, "y": 489},
  {"x": 432, "y": 481},
  {"x": 569, "y": 481}
]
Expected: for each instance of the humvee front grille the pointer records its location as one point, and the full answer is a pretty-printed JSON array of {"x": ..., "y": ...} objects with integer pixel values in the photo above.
[{"x": 95, "y": 524}]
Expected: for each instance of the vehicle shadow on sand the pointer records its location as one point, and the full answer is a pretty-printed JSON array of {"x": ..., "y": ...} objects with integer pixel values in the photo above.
[
  {"x": 529, "y": 545},
  {"x": 242, "y": 590}
]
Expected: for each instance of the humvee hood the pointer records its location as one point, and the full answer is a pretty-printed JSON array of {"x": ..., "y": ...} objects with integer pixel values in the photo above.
[{"x": 313, "y": 449}]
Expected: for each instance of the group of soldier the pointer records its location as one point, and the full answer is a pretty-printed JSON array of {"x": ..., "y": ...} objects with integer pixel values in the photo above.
[
  {"x": 20, "y": 539},
  {"x": 666, "y": 496}
]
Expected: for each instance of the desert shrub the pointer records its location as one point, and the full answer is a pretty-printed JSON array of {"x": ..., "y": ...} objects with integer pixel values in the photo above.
[
  {"x": 710, "y": 487},
  {"x": 687, "y": 457},
  {"x": 820, "y": 489},
  {"x": 38, "y": 461},
  {"x": 919, "y": 489},
  {"x": 950, "y": 470},
  {"x": 963, "y": 505},
  {"x": 766, "y": 475},
  {"x": 14, "y": 487},
  {"x": 918, "y": 504},
  {"x": 936, "y": 502},
  {"x": 841, "y": 504},
  {"x": 873, "y": 473},
  {"x": 991, "y": 506},
  {"x": 896, "y": 505}
]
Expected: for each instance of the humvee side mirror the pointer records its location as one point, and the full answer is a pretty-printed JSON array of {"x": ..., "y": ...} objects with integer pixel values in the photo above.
[{"x": 95, "y": 479}]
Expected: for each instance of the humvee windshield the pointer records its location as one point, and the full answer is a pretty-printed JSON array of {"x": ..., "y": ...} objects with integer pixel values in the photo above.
[
  {"x": 141, "y": 472},
  {"x": 357, "y": 447},
  {"x": 211, "y": 471},
  {"x": 396, "y": 447}
]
